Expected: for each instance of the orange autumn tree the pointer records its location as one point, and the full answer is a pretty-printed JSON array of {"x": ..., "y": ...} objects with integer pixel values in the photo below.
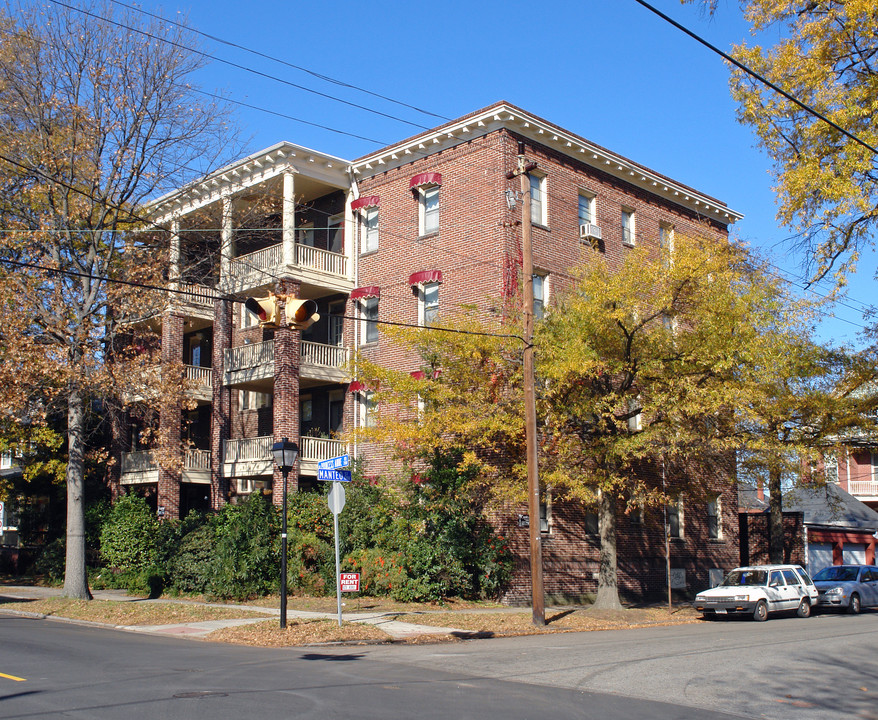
[{"x": 97, "y": 118}]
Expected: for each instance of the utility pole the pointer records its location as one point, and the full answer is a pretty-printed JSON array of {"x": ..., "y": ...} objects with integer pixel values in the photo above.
[{"x": 530, "y": 405}]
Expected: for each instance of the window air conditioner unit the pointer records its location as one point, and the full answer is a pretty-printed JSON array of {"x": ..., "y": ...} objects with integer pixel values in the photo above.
[{"x": 590, "y": 231}]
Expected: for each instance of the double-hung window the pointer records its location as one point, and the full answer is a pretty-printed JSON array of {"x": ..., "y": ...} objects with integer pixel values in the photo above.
[
  {"x": 369, "y": 310},
  {"x": 586, "y": 209},
  {"x": 675, "y": 518},
  {"x": 369, "y": 229},
  {"x": 714, "y": 519},
  {"x": 428, "y": 309},
  {"x": 367, "y": 408},
  {"x": 539, "y": 284},
  {"x": 537, "y": 199},
  {"x": 628, "y": 237},
  {"x": 429, "y": 209}
]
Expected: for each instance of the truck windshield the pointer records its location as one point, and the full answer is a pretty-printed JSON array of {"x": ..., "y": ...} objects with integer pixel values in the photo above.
[{"x": 746, "y": 577}]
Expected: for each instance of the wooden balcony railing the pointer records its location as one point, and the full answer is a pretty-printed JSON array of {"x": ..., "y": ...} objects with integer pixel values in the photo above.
[
  {"x": 269, "y": 259},
  {"x": 244, "y": 357}
]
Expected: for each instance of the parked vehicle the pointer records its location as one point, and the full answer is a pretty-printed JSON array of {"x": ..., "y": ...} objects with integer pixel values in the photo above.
[
  {"x": 852, "y": 587},
  {"x": 758, "y": 591}
]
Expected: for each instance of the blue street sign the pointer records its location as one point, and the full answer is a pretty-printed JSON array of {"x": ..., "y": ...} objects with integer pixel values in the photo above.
[
  {"x": 342, "y": 461},
  {"x": 334, "y": 475}
]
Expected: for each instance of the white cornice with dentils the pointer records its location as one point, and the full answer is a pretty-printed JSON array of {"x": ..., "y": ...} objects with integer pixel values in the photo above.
[
  {"x": 252, "y": 170},
  {"x": 512, "y": 118}
]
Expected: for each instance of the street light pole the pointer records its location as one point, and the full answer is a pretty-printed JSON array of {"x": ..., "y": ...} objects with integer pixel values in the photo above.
[{"x": 285, "y": 454}]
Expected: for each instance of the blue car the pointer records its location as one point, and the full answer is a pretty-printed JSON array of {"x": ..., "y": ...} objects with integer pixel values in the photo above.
[{"x": 851, "y": 587}]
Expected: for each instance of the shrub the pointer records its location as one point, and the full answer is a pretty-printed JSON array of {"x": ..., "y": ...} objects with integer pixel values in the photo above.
[
  {"x": 128, "y": 536},
  {"x": 190, "y": 569}
]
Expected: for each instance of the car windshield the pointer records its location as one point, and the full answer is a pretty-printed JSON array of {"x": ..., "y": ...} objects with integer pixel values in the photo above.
[
  {"x": 841, "y": 574},
  {"x": 745, "y": 577}
]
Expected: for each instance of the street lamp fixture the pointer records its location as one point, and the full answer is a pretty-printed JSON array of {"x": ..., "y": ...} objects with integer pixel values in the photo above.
[{"x": 285, "y": 454}]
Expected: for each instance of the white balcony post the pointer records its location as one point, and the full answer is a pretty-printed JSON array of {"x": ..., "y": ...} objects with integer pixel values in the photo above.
[
  {"x": 227, "y": 237},
  {"x": 289, "y": 220},
  {"x": 174, "y": 269}
]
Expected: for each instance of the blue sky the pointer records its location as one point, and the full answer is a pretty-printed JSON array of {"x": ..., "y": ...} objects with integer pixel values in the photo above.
[{"x": 608, "y": 70}]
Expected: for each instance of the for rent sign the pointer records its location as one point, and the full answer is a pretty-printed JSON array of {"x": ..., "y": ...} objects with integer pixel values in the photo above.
[{"x": 350, "y": 582}]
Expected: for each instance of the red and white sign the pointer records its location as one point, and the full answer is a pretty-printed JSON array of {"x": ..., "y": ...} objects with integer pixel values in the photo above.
[{"x": 350, "y": 582}]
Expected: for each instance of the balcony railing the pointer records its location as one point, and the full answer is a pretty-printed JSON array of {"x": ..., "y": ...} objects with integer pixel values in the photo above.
[
  {"x": 333, "y": 356},
  {"x": 244, "y": 357},
  {"x": 271, "y": 258},
  {"x": 311, "y": 449},
  {"x": 200, "y": 376},
  {"x": 144, "y": 461},
  {"x": 863, "y": 488},
  {"x": 323, "y": 260},
  {"x": 196, "y": 294},
  {"x": 139, "y": 461}
]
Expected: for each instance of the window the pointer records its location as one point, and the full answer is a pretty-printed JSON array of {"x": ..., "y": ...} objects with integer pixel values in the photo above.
[
  {"x": 586, "y": 208},
  {"x": 666, "y": 237},
  {"x": 539, "y": 296},
  {"x": 635, "y": 417},
  {"x": 429, "y": 209},
  {"x": 714, "y": 519},
  {"x": 591, "y": 522},
  {"x": 428, "y": 303},
  {"x": 537, "y": 199},
  {"x": 336, "y": 323},
  {"x": 830, "y": 467},
  {"x": 248, "y": 319},
  {"x": 335, "y": 234},
  {"x": 307, "y": 407},
  {"x": 336, "y": 412},
  {"x": 546, "y": 513},
  {"x": 369, "y": 230},
  {"x": 367, "y": 408},
  {"x": 369, "y": 311},
  {"x": 675, "y": 519},
  {"x": 250, "y": 400},
  {"x": 306, "y": 234},
  {"x": 627, "y": 227}
]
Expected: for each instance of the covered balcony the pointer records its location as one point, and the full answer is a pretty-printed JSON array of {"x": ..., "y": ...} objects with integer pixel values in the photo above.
[
  {"x": 254, "y": 363},
  {"x": 252, "y": 456},
  {"x": 141, "y": 467}
]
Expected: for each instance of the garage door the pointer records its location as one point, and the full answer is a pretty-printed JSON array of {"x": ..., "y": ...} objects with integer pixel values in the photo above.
[
  {"x": 853, "y": 554},
  {"x": 819, "y": 556}
]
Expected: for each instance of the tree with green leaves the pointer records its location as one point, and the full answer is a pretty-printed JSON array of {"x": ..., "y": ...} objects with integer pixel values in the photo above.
[{"x": 97, "y": 116}]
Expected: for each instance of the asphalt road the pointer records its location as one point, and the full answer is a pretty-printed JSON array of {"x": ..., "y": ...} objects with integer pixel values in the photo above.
[{"x": 786, "y": 668}]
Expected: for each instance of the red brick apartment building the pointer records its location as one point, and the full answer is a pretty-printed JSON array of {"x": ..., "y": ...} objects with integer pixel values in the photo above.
[{"x": 401, "y": 234}]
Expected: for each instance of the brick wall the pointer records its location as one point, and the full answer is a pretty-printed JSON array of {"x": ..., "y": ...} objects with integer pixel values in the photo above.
[{"x": 756, "y": 535}]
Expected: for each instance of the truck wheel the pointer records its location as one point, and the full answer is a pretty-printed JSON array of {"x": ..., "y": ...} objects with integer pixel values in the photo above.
[
  {"x": 760, "y": 612},
  {"x": 854, "y": 606},
  {"x": 804, "y": 609}
]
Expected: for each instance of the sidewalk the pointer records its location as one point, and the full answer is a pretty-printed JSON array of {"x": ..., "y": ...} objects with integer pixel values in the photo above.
[{"x": 384, "y": 620}]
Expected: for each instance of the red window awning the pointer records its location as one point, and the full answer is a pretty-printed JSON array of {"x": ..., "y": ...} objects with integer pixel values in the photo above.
[
  {"x": 367, "y": 201},
  {"x": 417, "y": 374},
  {"x": 427, "y": 178},
  {"x": 425, "y": 276},
  {"x": 368, "y": 291},
  {"x": 355, "y": 386}
]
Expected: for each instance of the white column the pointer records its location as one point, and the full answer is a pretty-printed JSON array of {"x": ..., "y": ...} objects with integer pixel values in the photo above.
[
  {"x": 174, "y": 259},
  {"x": 289, "y": 220},
  {"x": 227, "y": 238}
]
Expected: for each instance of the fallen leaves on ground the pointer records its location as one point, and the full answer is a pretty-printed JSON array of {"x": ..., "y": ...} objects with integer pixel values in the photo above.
[
  {"x": 298, "y": 632},
  {"x": 129, "y": 612},
  {"x": 578, "y": 620}
]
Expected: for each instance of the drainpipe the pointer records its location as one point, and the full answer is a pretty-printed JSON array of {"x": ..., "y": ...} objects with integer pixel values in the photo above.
[{"x": 353, "y": 194}]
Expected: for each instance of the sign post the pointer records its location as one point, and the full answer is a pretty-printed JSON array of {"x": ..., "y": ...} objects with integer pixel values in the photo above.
[{"x": 331, "y": 470}]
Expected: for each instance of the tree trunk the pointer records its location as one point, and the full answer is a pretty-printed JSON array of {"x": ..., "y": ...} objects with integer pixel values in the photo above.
[
  {"x": 608, "y": 590},
  {"x": 75, "y": 574},
  {"x": 775, "y": 529}
]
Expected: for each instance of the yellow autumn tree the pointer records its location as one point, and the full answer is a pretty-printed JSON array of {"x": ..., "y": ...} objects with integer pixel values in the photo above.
[{"x": 823, "y": 54}]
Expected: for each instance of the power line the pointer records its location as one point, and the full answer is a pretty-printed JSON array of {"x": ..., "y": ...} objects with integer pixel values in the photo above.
[
  {"x": 266, "y": 56},
  {"x": 741, "y": 66},
  {"x": 239, "y": 66}
]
